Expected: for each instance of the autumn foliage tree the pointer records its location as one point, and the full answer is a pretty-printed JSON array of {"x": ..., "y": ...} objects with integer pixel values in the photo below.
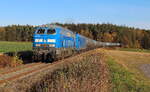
[{"x": 127, "y": 36}]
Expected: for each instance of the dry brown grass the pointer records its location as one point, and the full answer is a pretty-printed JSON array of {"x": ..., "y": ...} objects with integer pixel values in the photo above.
[
  {"x": 89, "y": 74},
  {"x": 130, "y": 59},
  {"x": 7, "y": 61}
]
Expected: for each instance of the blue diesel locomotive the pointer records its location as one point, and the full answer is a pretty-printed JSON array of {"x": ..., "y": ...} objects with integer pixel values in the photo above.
[{"x": 55, "y": 42}]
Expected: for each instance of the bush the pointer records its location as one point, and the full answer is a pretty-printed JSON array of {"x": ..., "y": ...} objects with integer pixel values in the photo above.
[{"x": 7, "y": 61}]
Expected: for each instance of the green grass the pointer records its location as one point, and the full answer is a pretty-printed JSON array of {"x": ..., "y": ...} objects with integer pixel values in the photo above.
[
  {"x": 14, "y": 46},
  {"x": 123, "y": 80},
  {"x": 135, "y": 50}
]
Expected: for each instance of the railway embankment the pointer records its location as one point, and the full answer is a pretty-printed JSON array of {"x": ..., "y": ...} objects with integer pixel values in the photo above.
[{"x": 85, "y": 72}]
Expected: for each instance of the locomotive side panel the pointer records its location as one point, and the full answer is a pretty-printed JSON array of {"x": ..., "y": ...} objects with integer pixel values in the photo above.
[{"x": 81, "y": 43}]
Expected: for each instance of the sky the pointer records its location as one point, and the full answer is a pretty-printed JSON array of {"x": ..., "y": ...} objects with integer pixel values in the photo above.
[{"x": 133, "y": 13}]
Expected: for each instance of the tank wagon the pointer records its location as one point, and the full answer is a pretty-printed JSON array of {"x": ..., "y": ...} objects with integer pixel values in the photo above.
[{"x": 55, "y": 42}]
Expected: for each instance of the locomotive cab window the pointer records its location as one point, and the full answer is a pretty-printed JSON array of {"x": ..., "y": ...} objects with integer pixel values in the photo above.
[
  {"x": 40, "y": 31},
  {"x": 51, "y": 31}
]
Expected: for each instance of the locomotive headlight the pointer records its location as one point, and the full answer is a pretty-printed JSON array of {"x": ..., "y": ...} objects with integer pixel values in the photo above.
[{"x": 51, "y": 40}]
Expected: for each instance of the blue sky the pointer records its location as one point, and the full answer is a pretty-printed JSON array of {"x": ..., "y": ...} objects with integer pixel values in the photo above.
[{"x": 134, "y": 13}]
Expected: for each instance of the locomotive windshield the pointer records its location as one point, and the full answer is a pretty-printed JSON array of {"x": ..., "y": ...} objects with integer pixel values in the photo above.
[
  {"x": 40, "y": 31},
  {"x": 51, "y": 31}
]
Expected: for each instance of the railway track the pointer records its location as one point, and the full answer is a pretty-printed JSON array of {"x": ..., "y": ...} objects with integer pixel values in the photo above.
[{"x": 21, "y": 72}]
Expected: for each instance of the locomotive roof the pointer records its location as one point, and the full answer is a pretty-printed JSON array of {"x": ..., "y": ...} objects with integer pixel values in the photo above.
[{"x": 55, "y": 26}]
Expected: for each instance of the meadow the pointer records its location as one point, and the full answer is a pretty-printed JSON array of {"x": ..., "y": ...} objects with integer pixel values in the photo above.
[
  {"x": 134, "y": 50},
  {"x": 14, "y": 46},
  {"x": 126, "y": 75}
]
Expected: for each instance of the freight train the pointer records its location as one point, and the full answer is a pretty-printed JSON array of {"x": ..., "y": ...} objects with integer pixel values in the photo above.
[{"x": 54, "y": 42}]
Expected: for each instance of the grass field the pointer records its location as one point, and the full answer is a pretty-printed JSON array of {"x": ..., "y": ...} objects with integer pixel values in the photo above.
[
  {"x": 126, "y": 75},
  {"x": 134, "y": 50},
  {"x": 14, "y": 46}
]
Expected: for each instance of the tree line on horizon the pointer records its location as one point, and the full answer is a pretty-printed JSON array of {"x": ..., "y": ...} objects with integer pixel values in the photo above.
[{"x": 129, "y": 37}]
